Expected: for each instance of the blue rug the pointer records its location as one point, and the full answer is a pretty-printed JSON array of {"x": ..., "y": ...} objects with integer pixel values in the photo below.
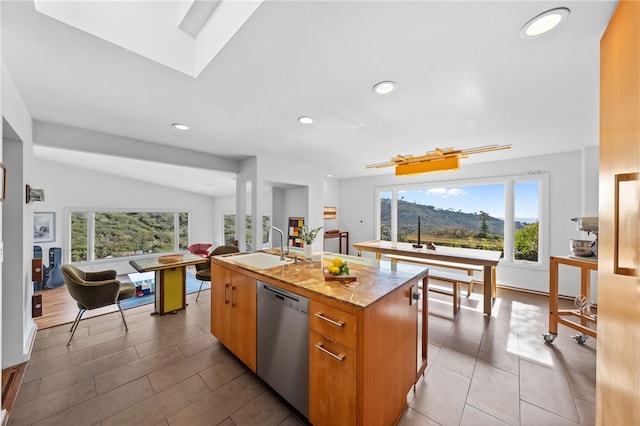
[{"x": 192, "y": 285}]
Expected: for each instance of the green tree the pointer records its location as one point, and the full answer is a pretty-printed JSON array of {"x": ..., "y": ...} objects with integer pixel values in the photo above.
[
  {"x": 385, "y": 232},
  {"x": 526, "y": 243},
  {"x": 484, "y": 226}
]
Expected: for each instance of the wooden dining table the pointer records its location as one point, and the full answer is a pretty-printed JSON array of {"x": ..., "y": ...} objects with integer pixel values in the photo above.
[
  {"x": 170, "y": 280},
  {"x": 488, "y": 259}
]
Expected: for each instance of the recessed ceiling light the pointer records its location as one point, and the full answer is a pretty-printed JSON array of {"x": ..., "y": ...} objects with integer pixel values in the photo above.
[
  {"x": 544, "y": 23},
  {"x": 305, "y": 119},
  {"x": 180, "y": 126},
  {"x": 385, "y": 87}
]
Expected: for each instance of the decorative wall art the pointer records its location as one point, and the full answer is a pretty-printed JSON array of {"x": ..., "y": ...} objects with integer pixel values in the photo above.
[
  {"x": 329, "y": 213},
  {"x": 44, "y": 227}
]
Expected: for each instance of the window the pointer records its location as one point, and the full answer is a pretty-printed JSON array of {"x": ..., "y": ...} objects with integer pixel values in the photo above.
[
  {"x": 526, "y": 219},
  {"x": 229, "y": 225},
  {"x": 79, "y": 237},
  {"x": 498, "y": 214},
  {"x": 229, "y": 229},
  {"x": 385, "y": 215},
  {"x": 97, "y": 235}
]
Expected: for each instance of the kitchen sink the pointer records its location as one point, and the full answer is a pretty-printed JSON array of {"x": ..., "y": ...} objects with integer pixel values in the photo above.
[{"x": 259, "y": 260}]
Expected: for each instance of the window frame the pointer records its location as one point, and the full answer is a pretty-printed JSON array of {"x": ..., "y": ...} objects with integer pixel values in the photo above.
[
  {"x": 91, "y": 212},
  {"x": 509, "y": 214}
]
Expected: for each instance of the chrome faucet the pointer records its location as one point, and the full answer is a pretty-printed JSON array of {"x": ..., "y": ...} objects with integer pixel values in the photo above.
[{"x": 281, "y": 242}]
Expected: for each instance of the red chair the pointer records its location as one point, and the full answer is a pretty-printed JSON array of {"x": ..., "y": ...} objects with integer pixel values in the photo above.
[{"x": 201, "y": 249}]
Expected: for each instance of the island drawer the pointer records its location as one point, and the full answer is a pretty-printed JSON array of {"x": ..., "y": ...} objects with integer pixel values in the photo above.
[
  {"x": 333, "y": 323},
  {"x": 332, "y": 382}
]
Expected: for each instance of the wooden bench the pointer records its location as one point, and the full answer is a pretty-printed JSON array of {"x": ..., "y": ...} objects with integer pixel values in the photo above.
[
  {"x": 453, "y": 278},
  {"x": 439, "y": 263}
]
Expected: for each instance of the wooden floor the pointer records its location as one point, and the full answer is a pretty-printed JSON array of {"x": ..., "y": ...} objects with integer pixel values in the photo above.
[
  {"x": 170, "y": 370},
  {"x": 59, "y": 308}
]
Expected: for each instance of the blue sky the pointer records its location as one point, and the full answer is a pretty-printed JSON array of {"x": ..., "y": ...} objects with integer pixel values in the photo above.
[{"x": 472, "y": 199}]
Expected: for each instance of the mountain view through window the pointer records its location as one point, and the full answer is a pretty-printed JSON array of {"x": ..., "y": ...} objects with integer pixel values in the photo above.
[{"x": 466, "y": 216}]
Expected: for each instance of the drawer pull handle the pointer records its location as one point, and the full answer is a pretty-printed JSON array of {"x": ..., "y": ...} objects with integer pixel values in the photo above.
[
  {"x": 338, "y": 357},
  {"x": 226, "y": 286},
  {"x": 336, "y": 323}
]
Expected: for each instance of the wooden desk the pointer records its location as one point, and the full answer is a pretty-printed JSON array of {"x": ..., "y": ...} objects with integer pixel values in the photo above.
[
  {"x": 171, "y": 279},
  {"x": 340, "y": 235},
  {"x": 488, "y": 259},
  {"x": 556, "y": 316}
]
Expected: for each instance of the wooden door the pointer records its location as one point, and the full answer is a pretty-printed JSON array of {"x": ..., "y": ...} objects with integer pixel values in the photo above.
[
  {"x": 243, "y": 319},
  {"x": 221, "y": 303},
  {"x": 618, "y": 358}
]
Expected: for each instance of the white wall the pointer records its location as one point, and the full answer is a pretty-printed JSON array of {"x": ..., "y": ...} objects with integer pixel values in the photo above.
[
  {"x": 279, "y": 218},
  {"x": 74, "y": 187},
  {"x": 591, "y": 181},
  {"x": 18, "y": 328},
  {"x": 568, "y": 197},
  {"x": 331, "y": 199},
  {"x": 275, "y": 172},
  {"x": 296, "y": 205}
]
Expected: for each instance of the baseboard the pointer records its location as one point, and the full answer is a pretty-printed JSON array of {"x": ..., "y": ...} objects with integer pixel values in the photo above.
[{"x": 525, "y": 290}]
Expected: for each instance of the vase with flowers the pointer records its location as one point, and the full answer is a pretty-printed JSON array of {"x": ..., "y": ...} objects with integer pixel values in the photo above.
[{"x": 308, "y": 236}]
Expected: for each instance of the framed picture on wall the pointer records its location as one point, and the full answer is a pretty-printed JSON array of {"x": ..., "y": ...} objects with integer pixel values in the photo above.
[
  {"x": 44, "y": 227},
  {"x": 329, "y": 213}
]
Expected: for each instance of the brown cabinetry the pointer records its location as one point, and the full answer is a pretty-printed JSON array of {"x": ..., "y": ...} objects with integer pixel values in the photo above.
[
  {"x": 363, "y": 356},
  {"x": 332, "y": 365},
  {"x": 362, "y": 364},
  {"x": 233, "y": 312}
]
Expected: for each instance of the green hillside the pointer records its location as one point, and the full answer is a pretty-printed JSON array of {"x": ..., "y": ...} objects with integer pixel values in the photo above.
[
  {"x": 435, "y": 221},
  {"x": 119, "y": 234},
  {"x": 444, "y": 226}
]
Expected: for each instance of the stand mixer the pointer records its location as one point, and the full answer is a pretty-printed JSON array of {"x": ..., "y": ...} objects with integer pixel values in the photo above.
[{"x": 585, "y": 248}]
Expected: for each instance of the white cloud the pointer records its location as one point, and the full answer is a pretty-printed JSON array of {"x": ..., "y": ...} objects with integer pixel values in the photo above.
[{"x": 446, "y": 192}]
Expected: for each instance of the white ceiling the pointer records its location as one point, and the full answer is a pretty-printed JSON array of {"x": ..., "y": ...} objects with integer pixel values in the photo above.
[{"x": 465, "y": 79}]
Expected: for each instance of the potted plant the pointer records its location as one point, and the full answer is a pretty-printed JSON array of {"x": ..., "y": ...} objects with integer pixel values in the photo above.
[{"x": 308, "y": 236}]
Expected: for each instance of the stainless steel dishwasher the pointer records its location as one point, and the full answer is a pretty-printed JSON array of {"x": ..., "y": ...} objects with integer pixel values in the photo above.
[{"x": 283, "y": 344}]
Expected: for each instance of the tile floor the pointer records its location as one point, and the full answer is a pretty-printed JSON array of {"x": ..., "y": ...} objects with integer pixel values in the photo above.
[{"x": 169, "y": 370}]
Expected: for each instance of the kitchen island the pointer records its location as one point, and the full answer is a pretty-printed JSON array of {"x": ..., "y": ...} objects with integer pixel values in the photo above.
[{"x": 367, "y": 338}]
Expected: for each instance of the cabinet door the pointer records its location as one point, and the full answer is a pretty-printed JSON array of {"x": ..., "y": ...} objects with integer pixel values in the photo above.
[
  {"x": 332, "y": 382},
  {"x": 221, "y": 303},
  {"x": 243, "y": 319}
]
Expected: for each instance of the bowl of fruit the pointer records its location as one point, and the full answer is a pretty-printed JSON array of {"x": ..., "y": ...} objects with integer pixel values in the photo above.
[{"x": 338, "y": 270}]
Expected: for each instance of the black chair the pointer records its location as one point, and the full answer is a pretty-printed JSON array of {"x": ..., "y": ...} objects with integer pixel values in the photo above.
[
  {"x": 93, "y": 290},
  {"x": 203, "y": 270}
]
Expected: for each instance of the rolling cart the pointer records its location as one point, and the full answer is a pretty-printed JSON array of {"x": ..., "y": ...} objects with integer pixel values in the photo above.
[{"x": 573, "y": 318}]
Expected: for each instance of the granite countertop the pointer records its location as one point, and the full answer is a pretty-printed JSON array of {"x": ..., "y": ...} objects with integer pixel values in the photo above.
[{"x": 374, "y": 279}]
